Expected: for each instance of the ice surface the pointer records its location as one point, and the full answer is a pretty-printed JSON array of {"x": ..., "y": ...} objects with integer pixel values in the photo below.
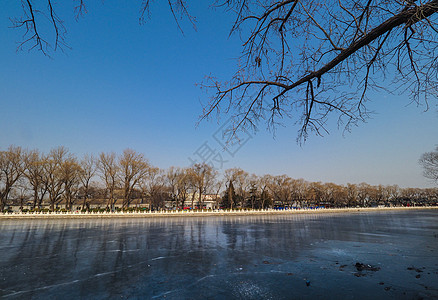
[{"x": 254, "y": 257}]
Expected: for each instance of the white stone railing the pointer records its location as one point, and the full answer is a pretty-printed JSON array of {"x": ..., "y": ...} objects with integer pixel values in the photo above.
[{"x": 191, "y": 212}]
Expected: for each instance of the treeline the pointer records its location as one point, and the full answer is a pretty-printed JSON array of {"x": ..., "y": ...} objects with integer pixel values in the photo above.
[{"x": 110, "y": 180}]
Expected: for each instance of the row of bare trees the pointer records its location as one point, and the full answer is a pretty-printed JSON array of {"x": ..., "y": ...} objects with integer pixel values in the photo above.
[
  {"x": 60, "y": 177},
  {"x": 109, "y": 179},
  {"x": 252, "y": 191}
]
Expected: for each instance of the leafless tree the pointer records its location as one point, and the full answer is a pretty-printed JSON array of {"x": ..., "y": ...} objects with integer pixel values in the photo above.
[
  {"x": 308, "y": 60},
  {"x": 394, "y": 193},
  {"x": 53, "y": 178},
  {"x": 109, "y": 172},
  {"x": 88, "y": 169},
  {"x": 239, "y": 179},
  {"x": 315, "y": 60},
  {"x": 352, "y": 193},
  {"x": 153, "y": 186},
  {"x": 134, "y": 167},
  {"x": 216, "y": 190},
  {"x": 69, "y": 172},
  {"x": 203, "y": 179},
  {"x": 185, "y": 180},
  {"x": 281, "y": 189},
  {"x": 242, "y": 185},
  {"x": 299, "y": 190},
  {"x": 172, "y": 177},
  {"x": 21, "y": 191},
  {"x": 253, "y": 193},
  {"x": 34, "y": 171},
  {"x": 11, "y": 169},
  {"x": 410, "y": 195},
  {"x": 263, "y": 184},
  {"x": 363, "y": 193},
  {"x": 429, "y": 162}
]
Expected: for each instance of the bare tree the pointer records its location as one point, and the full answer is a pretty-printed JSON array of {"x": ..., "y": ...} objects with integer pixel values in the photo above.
[
  {"x": 394, "y": 193},
  {"x": 410, "y": 195},
  {"x": 281, "y": 189},
  {"x": 429, "y": 162},
  {"x": 70, "y": 171},
  {"x": 316, "y": 60},
  {"x": 203, "y": 179},
  {"x": 352, "y": 193},
  {"x": 185, "y": 180},
  {"x": 34, "y": 171},
  {"x": 317, "y": 194},
  {"x": 363, "y": 193},
  {"x": 263, "y": 184},
  {"x": 109, "y": 172},
  {"x": 310, "y": 61},
  {"x": 53, "y": 177},
  {"x": 21, "y": 191},
  {"x": 88, "y": 169},
  {"x": 242, "y": 185},
  {"x": 153, "y": 186},
  {"x": 134, "y": 167},
  {"x": 11, "y": 169},
  {"x": 173, "y": 176},
  {"x": 299, "y": 189},
  {"x": 239, "y": 179},
  {"x": 253, "y": 190},
  {"x": 216, "y": 188},
  {"x": 44, "y": 30}
]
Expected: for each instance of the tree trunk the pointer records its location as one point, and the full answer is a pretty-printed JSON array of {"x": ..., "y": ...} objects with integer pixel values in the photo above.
[{"x": 200, "y": 202}]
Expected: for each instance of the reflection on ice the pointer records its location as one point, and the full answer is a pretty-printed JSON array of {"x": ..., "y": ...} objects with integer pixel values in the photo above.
[{"x": 221, "y": 257}]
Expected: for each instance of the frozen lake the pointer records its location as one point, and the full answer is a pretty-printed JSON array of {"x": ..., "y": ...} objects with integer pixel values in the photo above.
[{"x": 256, "y": 257}]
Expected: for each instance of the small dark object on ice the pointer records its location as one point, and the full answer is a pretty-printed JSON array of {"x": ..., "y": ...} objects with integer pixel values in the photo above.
[
  {"x": 418, "y": 276},
  {"x": 360, "y": 274},
  {"x": 266, "y": 262},
  {"x": 381, "y": 283},
  {"x": 307, "y": 282},
  {"x": 414, "y": 269},
  {"x": 387, "y": 288},
  {"x": 362, "y": 267},
  {"x": 290, "y": 274}
]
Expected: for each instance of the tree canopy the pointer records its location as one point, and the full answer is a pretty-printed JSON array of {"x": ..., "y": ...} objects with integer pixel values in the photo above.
[{"x": 310, "y": 61}]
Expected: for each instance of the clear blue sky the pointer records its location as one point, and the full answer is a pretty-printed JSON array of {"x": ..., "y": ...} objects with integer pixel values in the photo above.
[{"x": 124, "y": 85}]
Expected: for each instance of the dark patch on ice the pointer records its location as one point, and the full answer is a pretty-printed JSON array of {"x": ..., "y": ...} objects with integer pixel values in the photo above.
[
  {"x": 415, "y": 269},
  {"x": 364, "y": 267}
]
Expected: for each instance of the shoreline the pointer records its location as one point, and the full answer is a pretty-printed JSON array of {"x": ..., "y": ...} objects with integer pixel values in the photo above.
[{"x": 79, "y": 215}]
